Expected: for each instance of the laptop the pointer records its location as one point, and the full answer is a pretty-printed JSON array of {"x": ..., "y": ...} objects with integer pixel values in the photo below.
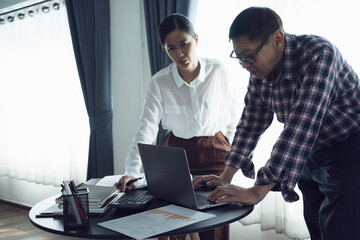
[{"x": 168, "y": 177}]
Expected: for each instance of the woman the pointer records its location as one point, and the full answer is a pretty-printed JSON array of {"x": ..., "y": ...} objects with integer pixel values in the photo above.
[{"x": 193, "y": 100}]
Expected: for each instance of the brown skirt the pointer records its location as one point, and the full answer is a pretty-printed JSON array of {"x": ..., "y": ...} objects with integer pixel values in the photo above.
[{"x": 205, "y": 155}]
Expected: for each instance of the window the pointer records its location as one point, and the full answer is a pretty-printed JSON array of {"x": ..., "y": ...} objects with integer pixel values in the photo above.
[{"x": 44, "y": 125}]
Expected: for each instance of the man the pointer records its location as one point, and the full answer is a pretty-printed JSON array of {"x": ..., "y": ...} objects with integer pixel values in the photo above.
[{"x": 316, "y": 94}]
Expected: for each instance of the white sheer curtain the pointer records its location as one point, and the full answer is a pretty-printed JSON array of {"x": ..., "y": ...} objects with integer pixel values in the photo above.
[
  {"x": 44, "y": 129},
  {"x": 335, "y": 20}
]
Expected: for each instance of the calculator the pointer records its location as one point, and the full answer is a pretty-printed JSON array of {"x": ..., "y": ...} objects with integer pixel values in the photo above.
[{"x": 132, "y": 202}]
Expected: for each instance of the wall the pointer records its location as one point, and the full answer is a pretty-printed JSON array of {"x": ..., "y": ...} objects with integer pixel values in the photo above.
[
  {"x": 25, "y": 193},
  {"x": 130, "y": 73}
]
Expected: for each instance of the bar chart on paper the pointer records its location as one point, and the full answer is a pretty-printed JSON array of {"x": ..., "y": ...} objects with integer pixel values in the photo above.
[{"x": 155, "y": 221}]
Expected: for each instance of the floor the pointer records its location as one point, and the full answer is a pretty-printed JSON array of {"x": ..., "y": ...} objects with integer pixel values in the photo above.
[
  {"x": 15, "y": 225},
  {"x": 253, "y": 232}
]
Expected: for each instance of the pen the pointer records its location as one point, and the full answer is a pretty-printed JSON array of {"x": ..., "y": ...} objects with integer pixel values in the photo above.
[
  {"x": 49, "y": 215},
  {"x": 130, "y": 182}
]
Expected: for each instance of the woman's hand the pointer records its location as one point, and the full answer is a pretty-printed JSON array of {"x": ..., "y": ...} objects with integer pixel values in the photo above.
[{"x": 121, "y": 184}]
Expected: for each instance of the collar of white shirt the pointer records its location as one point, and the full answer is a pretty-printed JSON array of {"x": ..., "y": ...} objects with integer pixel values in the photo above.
[{"x": 178, "y": 79}]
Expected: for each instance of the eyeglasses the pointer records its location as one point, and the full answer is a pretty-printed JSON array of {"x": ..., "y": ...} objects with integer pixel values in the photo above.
[{"x": 251, "y": 58}]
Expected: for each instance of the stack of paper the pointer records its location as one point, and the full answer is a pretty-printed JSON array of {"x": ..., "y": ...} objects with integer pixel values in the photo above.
[{"x": 99, "y": 197}]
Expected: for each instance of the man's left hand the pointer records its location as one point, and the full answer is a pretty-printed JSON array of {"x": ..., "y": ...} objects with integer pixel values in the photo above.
[{"x": 232, "y": 193}]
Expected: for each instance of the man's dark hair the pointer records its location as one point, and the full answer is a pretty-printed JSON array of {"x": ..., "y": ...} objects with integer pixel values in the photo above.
[
  {"x": 173, "y": 22},
  {"x": 257, "y": 23}
]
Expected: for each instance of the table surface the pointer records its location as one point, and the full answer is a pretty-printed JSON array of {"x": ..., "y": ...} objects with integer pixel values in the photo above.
[{"x": 225, "y": 214}]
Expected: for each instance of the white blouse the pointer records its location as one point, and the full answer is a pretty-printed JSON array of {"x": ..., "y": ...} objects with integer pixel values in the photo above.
[{"x": 202, "y": 108}]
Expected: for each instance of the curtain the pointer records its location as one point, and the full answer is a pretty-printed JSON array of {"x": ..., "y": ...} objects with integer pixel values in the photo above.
[
  {"x": 89, "y": 22},
  {"x": 299, "y": 17},
  {"x": 155, "y": 12},
  {"x": 43, "y": 121}
]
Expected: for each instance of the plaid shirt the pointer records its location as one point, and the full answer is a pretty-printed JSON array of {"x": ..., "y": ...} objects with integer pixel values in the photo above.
[{"x": 316, "y": 96}]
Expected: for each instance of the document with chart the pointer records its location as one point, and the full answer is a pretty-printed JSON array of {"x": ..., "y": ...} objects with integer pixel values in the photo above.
[{"x": 156, "y": 221}]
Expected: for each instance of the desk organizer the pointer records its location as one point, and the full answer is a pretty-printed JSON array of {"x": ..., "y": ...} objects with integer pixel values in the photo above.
[{"x": 76, "y": 209}]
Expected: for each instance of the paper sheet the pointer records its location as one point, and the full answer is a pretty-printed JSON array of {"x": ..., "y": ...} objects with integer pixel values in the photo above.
[
  {"x": 108, "y": 181},
  {"x": 156, "y": 221}
]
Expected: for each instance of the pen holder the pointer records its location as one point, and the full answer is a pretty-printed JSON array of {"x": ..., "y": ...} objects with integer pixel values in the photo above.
[{"x": 76, "y": 209}]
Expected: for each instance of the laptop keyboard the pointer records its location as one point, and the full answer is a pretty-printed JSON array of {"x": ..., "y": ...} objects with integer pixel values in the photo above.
[
  {"x": 132, "y": 202},
  {"x": 202, "y": 200}
]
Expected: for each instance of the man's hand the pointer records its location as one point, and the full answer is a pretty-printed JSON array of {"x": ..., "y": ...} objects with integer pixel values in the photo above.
[
  {"x": 213, "y": 180},
  {"x": 209, "y": 181},
  {"x": 232, "y": 193}
]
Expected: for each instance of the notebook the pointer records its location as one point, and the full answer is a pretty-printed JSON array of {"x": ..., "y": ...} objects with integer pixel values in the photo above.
[{"x": 168, "y": 177}]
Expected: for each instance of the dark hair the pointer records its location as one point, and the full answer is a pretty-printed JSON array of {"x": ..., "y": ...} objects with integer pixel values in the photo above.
[
  {"x": 256, "y": 23},
  {"x": 172, "y": 22}
]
